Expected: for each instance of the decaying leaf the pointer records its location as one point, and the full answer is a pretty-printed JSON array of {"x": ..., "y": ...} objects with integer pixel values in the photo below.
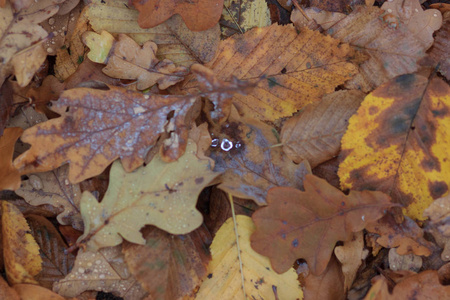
[
  {"x": 240, "y": 16},
  {"x": 424, "y": 285},
  {"x": 6, "y": 101},
  {"x": 439, "y": 226},
  {"x": 407, "y": 262},
  {"x": 398, "y": 141},
  {"x": 298, "y": 224},
  {"x": 197, "y": 14},
  {"x": 9, "y": 176},
  {"x": 104, "y": 270},
  {"x": 241, "y": 148},
  {"x": 98, "y": 126},
  {"x": 35, "y": 292},
  {"x": 160, "y": 194},
  {"x": 299, "y": 70},
  {"x": 256, "y": 280},
  {"x": 168, "y": 266},
  {"x": 315, "y": 133},
  {"x": 125, "y": 59},
  {"x": 56, "y": 264},
  {"x": 175, "y": 41},
  {"x": 54, "y": 188},
  {"x": 21, "y": 253}
]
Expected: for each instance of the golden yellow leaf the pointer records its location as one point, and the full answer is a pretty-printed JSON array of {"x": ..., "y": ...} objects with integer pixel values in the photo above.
[
  {"x": 300, "y": 69},
  {"x": 398, "y": 143},
  {"x": 257, "y": 281},
  {"x": 21, "y": 252}
]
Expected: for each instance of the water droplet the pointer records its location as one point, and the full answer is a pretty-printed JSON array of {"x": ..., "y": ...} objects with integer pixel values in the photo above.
[
  {"x": 51, "y": 21},
  {"x": 226, "y": 145},
  {"x": 238, "y": 145},
  {"x": 363, "y": 218},
  {"x": 215, "y": 142},
  {"x": 81, "y": 270}
]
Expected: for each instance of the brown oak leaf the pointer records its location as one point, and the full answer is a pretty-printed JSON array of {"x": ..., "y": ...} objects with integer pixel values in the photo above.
[
  {"x": 308, "y": 224},
  {"x": 197, "y": 14},
  {"x": 9, "y": 176}
]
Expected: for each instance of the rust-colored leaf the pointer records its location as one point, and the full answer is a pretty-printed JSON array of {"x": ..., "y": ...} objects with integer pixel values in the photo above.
[
  {"x": 315, "y": 133},
  {"x": 97, "y": 127},
  {"x": 169, "y": 267},
  {"x": 9, "y": 176},
  {"x": 197, "y": 14},
  {"x": 308, "y": 224},
  {"x": 398, "y": 143}
]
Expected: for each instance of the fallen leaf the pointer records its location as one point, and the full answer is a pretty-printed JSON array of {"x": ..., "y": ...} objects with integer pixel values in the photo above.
[
  {"x": 299, "y": 70},
  {"x": 6, "y": 292},
  {"x": 392, "y": 49},
  {"x": 175, "y": 41},
  {"x": 422, "y": 24},
  {"x": 198, "y": 14},
  {"x": 6, "y": 104},
  {"x": 26, "y": 62},
  {"x": 408, "y": 262},
  {"x": 9, "y": 176},
  {"x": 168, "y": 266},
  {"x": 20, "y": 251},
  {"x": 298, "y": 224},
  {"x": 439, "y": 226},
  {"x": 125, "y": 59},
  {"x": 56, "y": 264},
  {"x": 397, "y": 143},
  {"x": 407, "y": 237},
  {"x": 315, "y": 133},
  {"x": 35, "y": 292},
  {"x": 328, "y": 285},
  {"x": 54, "y": 188},
  {"x": 168, "y": 191},
  {"x": 240, "y": 16},
  {"x": 104, "y": 270},
  {"x": 315, "y": 19},
  {"x": 97, "y": 127},
  {"x": 343, "y": 6},
  {"x": 242, "y": 149},
  {"x": 351, "y": 255},
  {"x": 424, "y": 285},
  {"x": 236, "y": 270}
]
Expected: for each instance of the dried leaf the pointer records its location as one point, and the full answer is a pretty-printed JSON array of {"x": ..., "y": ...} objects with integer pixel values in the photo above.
[
  {"x": 240, "y": 16},
  {"x": 167, "y": 266},
  {"x": 398, "y": 141},
  {"x": 175, "y": 41},
  {"x": 408, "y": 262},
  {"x": 242, "y": 150},
  {"x": 420, "y": 23},
  {"x": 343, "y": 6},
  {"x": 97, "y": 127},
  {"x": 424, "y": 285},
  {"x": 439, "y": 225},
  {"x": 315, "y": 133},
  {"x": 308, "y": 224},
  {"x": 35, "y": 292},
  {"x": 160, "y": 194},
  {"x": 104, "y": 270},
  {"x": 26, "y": 62},
  {"x": 6, "y": 101},
  {"x": 125, "y": 59},
  {"x": 6, "y": 292},
  {"x": 9, "y": 176},
  {"x": 21, "y": 253},
  {"x": 198, "y": 14},
  {"x": 299, "y": 70},
  {"x": 257, "y": 279},
  {"x": 54, "y": 188},
  {"x": 56, "y": 263}
]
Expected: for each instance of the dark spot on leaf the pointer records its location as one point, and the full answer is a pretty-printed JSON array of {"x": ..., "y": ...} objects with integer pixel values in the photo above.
[
  {"x": 272, "y": 82},
  {"x": 106, "y": 222},
  {"x": 283, "y": 71},
  {"x": 283, "y": 235},
  {"x": 373, "y": 110},
  {"x": 429, "y": 164},
  {"x": 343, "y": 203},
  {"x": 284, "y": 222},
  {"x": 437, "y": 188},
  {"x": 295, "y": 243},
  {"x": 210, "y": 275},
  {"x": 406, "y": 81},
  {"x": 308, "y": 65},
  {"x": 199, "y": 180},
  {"x": 440, "y": 113}
]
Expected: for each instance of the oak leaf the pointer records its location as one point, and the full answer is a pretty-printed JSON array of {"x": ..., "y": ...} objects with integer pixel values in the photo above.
[
  {"x": 104, "y": 270},
  {"x": 56, "y": 264},
  {"x": 7, "y": 292},
  {"x": 241, "y": 149},
  {"x": 35, "y": 292},
  {"x": 9, "y": 176},
  {"x": 308, "y": 224},
  {"x": 20, "y": 250},
  {"x": 197, "y": 14},
  {"x": 125, "y": 59},
  {"x": 299, "y": 70},
  {"x": 160, "y": 194},
  {"x": 236, "y": 270},
  {"x": 315, "y": 133},
  {"x": 97, "y": 126},
  {"x": 167, "y": 266},
  {"x": 397, "y": 143},
  {"x": 175, "y": 41}
]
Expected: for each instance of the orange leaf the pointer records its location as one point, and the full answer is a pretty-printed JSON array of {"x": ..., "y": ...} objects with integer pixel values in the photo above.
[
  {"x": 97, "y": 127},
  {"x": 9, "y": 176},
  {"x": 197, "y": 14},
  {"x": 308, "y": 224}
]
